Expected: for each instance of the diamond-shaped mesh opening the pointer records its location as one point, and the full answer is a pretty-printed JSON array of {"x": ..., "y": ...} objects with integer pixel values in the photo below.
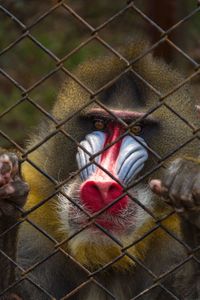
[
  {"x": 7, "y": 25},
  {"x": 122, "y": 24},
  {"x": 16, "y": 129},
  {"x": 8, "y": 91},
  {"x": 23, "y": 55},
  {"x": 90, "y": 13},
  {"x": 45, "y": 91},
  {"x": 61, "y": 45}
]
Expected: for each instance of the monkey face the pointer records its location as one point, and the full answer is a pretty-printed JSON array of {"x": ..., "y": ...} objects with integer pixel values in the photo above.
[
  {"x": 115, "y": 166},
  {"x": 108, "y": 161}
]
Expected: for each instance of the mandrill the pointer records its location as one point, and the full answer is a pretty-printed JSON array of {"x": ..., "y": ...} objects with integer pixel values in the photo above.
[{"x": 111, "y": 200}]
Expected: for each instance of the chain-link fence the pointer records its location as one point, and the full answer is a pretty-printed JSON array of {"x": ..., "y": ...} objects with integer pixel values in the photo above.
[{"x": 52, "y": 67}]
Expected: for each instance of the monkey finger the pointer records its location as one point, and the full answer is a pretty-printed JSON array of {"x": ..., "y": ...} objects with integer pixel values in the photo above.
[
  {"x": 157, "y": 187},
  {"x": 15, "y": 192},
  {"x": 7, "y": 209},
  {"x": 175, "y": 201},
  {"x": 180, "y": 193},
  {"x": 6, "y": 191},
  {"x": 187, "y": 201},
  {"x": 5, "y": 167},
  {"x": 171, "y": 173},
  {"x": 5, "y": 173},
  {"x": 185, "y": 192},
  {"x": 196, "y": 191},
  {"x": 9, "y": 165},
  {"x": 19, "y": 197}
]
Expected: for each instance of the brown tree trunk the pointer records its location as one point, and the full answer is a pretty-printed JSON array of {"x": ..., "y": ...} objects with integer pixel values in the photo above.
[{"x": 163, "y": 13}]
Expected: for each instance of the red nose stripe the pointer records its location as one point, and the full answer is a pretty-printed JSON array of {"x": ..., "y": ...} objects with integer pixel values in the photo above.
[
  {"x": 102, "y": 189},
  {"x": 109, "y": 156}
]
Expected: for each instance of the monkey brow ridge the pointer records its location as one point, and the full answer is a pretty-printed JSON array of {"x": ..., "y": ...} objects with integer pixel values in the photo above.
[{"x": 122, "y": 114}]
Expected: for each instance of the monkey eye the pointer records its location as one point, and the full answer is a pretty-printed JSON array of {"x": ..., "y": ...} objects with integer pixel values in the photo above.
[
  {"x": 136, "y": 129},
  {"x": 99, "y": 124}
]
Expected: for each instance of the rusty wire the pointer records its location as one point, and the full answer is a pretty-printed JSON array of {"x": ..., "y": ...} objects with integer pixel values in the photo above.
[{"x": 58, "y": 128}]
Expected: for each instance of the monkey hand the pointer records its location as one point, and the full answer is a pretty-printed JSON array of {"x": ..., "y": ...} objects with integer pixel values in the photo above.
[
  {"x": 13, "y": 194},
  {"x": 13, "y": 190},
  {"x": 180, "y": 187}
]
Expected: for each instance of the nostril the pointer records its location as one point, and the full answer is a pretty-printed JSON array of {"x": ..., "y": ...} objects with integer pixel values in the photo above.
[
  {"x": 94, "y": 186},
  {"x": 113, "y": 188},
  {"x": 95, "y": 195}
]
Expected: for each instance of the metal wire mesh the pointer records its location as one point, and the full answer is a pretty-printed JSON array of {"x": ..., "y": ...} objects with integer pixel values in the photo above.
[{"x": 59, "y": 66}]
